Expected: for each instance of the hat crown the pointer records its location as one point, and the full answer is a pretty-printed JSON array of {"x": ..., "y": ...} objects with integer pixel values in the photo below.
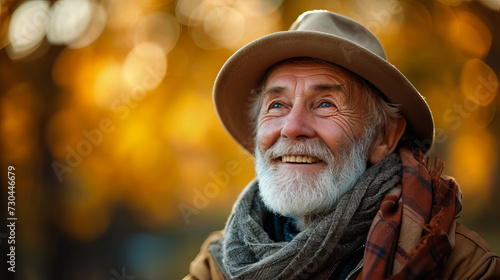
[{"x": 340, "y": 26}]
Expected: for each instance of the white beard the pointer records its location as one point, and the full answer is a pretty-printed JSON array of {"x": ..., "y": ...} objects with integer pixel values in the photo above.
[{"x": 289, "y": 192}]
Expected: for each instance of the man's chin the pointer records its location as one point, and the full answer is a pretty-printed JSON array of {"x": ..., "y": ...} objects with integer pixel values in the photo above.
[{"x": 290, "y": 203}]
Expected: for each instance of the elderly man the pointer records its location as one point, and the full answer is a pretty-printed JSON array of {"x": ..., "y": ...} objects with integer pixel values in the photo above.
[{"x": 342, "y": 190}]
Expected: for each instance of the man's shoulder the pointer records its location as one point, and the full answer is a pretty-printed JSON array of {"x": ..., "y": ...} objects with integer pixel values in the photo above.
[
  {"x": 470, "y": 237},
  {"x": 471, "y": 258}
]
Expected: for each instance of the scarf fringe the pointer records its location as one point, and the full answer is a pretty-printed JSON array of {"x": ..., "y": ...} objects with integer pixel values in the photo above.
[
  {"x": 435, "y": 229},
  {"x": 432, "y": 228}
]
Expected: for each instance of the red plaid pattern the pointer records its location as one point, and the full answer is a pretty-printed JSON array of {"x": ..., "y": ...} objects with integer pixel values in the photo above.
[{"x": 408, "y": 238}]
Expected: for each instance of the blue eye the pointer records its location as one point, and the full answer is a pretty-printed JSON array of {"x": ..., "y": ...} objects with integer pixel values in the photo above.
[
  {"x": 276, "y": 106},
  {"x": 325, "y": 104}
]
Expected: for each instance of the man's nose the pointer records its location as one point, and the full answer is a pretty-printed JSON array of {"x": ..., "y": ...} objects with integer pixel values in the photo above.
[{"x": 298, "y": 124}]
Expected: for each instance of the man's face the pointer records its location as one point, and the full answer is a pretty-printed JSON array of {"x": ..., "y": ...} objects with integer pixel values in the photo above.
[{"x": 311, "y": 144}]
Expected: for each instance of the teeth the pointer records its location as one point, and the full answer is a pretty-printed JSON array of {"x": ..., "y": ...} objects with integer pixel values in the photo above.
[{"x": 299, "y": 159}]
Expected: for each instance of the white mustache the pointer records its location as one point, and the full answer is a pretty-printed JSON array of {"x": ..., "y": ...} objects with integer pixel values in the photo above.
[{"x": 312, "y": 147}]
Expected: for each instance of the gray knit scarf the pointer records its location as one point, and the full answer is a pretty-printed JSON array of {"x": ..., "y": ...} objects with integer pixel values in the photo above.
[{"x": 247, "y": 252}]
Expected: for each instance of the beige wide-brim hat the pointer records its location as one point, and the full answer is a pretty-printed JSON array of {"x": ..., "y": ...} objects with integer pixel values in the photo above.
[{"x": 322, "y": 35}]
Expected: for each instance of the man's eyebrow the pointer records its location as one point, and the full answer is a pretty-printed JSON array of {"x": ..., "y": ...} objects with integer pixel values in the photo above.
[
  {"x": 275, "y": 89},
  {"x": 328, "y": 87}
]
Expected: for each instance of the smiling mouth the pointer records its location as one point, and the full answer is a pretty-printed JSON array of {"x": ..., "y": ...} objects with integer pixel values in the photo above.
[{"x": 298, "y": 159}]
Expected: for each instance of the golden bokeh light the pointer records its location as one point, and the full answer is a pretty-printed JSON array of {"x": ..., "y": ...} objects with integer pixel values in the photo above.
[
  {"x": 260, "y": 8},
  {"x": 68, "y": 21},
  {"x": 491, "y": 4},
  {"x": 184, "y": 11},
  {"x": 419, "y": 24},
  {"x": 474, "y": 35},
  {"x": 133, "y": 135},
  {"x": 18, "y": 107},
  {"x": 381, "y": 17},
  {"x": 201, "y": 39},
  {"x": 109, "y": 90},
  {"x": 189, "y": 120},
  {"x": 94, "y": 29},
  {"x": 225, "y": 26},
  {"x": 473, "y": 162},
  {"x": 27, "y": 28},
  {"x": 257, "y": 26},
  {"x": 123, "y": 15},
  {"x": 485, "y": 116},
  {"x": 478, "y": 82},
  {"x": 144, "y": 69},
  {"x": 160, "y": 28}
]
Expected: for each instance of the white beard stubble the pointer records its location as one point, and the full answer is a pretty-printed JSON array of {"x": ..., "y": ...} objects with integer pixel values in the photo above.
[{"x": 292, "y": 193}]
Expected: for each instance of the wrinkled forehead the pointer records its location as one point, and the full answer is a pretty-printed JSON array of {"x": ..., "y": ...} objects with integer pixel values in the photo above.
[
  {"x": 351, "y": 85},
  {"x": 311, "y": 64}
]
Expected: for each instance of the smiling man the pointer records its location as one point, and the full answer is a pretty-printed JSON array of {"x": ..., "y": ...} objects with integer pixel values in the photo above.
[
  {"x": 314, "y": 130},
  {"x": 342, "y": 192}
]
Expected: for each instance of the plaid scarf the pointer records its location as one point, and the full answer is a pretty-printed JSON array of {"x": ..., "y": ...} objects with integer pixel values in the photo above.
[{"x": 408, "y": 238}]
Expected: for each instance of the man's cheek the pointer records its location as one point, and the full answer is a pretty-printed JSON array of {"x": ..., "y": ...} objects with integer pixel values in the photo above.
[
  {"x": 265, "y": 141},
  {"x": 268, "y": 133}
]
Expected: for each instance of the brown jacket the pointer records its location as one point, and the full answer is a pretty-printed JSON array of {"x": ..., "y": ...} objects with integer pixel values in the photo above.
[{"x": 472, "y": 258}]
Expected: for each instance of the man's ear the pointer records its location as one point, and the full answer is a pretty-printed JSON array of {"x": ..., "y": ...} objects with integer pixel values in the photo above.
[{"x": 385, "y": 146}]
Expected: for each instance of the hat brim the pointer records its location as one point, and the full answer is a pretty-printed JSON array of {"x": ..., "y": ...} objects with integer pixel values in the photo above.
[{"x": 245, "y": 69}]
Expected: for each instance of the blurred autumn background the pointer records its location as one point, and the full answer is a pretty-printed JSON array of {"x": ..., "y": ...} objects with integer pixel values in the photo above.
[{"x": 122, "y": 168}]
